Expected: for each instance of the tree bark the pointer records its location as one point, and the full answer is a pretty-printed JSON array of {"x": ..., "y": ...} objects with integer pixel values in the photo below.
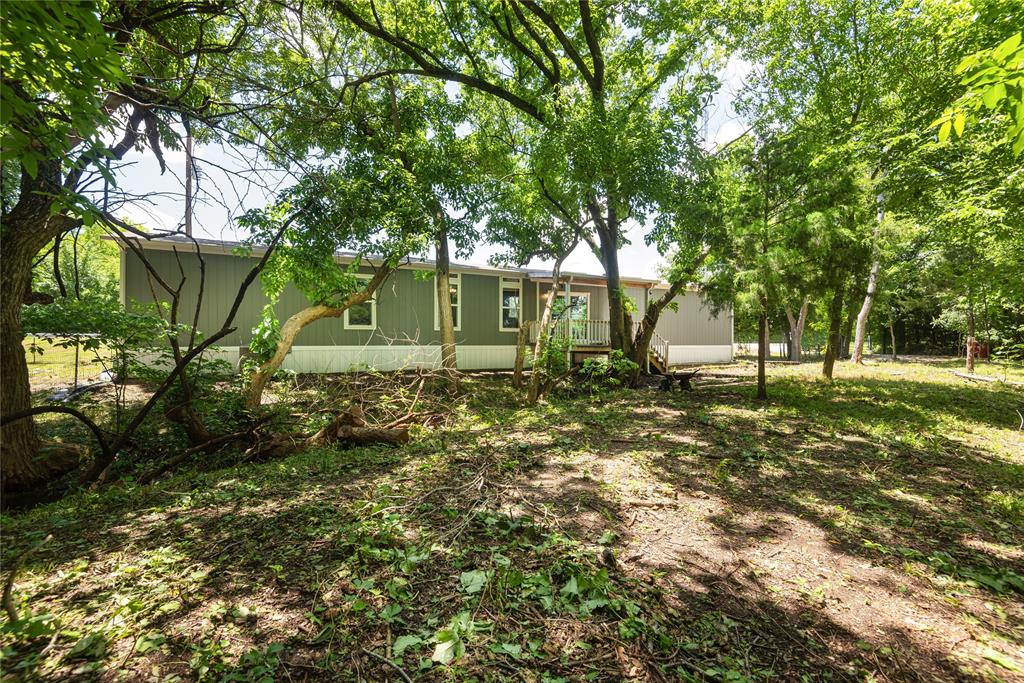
[
  {"x": 892, "y": 333},
  {"x": 607, "y": 228},
  {"x": 971, "y": 341},
  {"x": 835, "y": 321},
  {"x": 796, "y": 330},
  {"x": 298, "y": 321},
  {"x": 844, "y": 336},
  {"x": 26, "y": 231},
  {"x": 521, "y": 339},
  {"x": 869, "y": 297},
  {"x": 446, "y": 322},
  {"x": 543, "y": 330},
  {"x": 762, "y": 348}
]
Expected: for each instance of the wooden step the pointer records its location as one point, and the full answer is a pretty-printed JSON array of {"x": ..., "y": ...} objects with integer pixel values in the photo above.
[{"x": 657, "y": 363}]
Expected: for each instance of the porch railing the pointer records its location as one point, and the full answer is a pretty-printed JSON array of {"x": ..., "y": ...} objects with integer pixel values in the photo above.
[
  {"x": 596, "y": 333},
  {"x": 581, "y": 332}
]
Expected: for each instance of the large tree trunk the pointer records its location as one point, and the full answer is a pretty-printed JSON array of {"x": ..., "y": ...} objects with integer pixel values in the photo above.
[
  {"x": 298, "y": 321},
  {"x": 869, "y": 297},
  {"x": 796, "y": 330},
  {"x": 607, "y": 228},
  {"x": 835, "y": 321},
  {"x": 762, "y": 349},
  {"x": 26, "y": 230},
  {"x": 446, "y": 321}
]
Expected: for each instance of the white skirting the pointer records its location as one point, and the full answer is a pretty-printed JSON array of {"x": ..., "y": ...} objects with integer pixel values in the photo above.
[
  {"x": 680, "y": 355},
  {"x": 163, "y": 361},
  {"x": 329, "y": 359},
  {"x": 325, "y": 359}
]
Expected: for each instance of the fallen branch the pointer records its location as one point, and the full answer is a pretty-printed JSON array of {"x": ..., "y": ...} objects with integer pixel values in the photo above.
[
  {"x": 983, "y": 378},
  {"x": 349, "y": 427},
  {"x": 387, "y": 661},
  {"x": 178, "y": 459},
  {"x": 412, "y": 408}
]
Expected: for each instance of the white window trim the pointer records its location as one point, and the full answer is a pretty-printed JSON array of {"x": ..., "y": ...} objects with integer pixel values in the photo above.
[
  {"x": 501, "y": 302},
  {"x": 458, "y": 302},
  {"x": 542, "y": 297},
  {"x": 373, "y": 309},
  {"x": 581, "y": 294}
]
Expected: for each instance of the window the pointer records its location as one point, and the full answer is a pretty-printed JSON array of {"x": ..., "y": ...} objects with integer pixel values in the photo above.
[
  {"x": 455, "y": 292},
  {"x": 511, "y": 304},
  {"x": 362, "y": 316}
]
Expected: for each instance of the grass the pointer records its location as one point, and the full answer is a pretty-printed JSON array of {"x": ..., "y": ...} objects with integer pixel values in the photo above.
[
  {"x": 868, "y": 529},
  {"x": 50, "y": 365}
]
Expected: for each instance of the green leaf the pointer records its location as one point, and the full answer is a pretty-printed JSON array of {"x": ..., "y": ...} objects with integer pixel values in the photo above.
[
  {"x": 30, "y": 163},
  {"x": 390, "y": 611},
  {"x": 571, "y": 587},
  {"x": 473, "y": 581},
  {"x": 993, "y": 95},
  {"x": 511, "y": 649},
  {"x": 958, "y": 123},
  {"x": 1006, "y": 47},
  {"x": 403, "y": 643},
  {"x": 944, "y": 131},
  {"x": 965, "y": 63}
]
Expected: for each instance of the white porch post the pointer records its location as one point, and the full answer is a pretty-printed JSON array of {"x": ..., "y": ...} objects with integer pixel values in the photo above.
[
  {"x": 647, "y": 356},
  {"x": 568, "y": 322}
]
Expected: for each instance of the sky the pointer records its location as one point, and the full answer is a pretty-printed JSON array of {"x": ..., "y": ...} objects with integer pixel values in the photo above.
[{"x": 224, "y": 195}]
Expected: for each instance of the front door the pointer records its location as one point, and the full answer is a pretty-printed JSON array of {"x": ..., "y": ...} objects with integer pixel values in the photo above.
[{"x": 574, "y": 311}]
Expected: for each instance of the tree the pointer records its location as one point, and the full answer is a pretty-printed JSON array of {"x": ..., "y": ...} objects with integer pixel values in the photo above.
[
  {"x": 531, "y": 218},
  {"x": 368, "y": 204},
  {"x": 591, "y": 77},
  {"x": 765, "y": 196},
  {"x": 122, "y": 68}
]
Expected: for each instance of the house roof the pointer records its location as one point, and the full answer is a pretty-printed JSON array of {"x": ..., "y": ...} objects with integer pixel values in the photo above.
[{"x": 212, "y": 246}]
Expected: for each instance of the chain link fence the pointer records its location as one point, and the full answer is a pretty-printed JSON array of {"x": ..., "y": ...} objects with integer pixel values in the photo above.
[{"x": 56, "y": 361}]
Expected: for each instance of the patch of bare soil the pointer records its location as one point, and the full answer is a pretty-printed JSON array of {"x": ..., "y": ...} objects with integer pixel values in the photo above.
[{"x": 773, "y": 546}]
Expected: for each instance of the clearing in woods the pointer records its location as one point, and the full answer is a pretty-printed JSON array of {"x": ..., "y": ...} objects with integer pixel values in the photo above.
[{"x": 870, "y": 529}]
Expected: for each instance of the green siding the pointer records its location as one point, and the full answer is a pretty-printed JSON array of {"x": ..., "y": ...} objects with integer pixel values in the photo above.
[
  {"x": 695, "y": 323},
  {"x": 405, "y": 303}
]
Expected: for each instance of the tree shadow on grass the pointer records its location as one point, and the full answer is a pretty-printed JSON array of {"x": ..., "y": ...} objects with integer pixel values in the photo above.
[
  {"x": 833, "y": 495},
  {"x": 314, "y": 553}
]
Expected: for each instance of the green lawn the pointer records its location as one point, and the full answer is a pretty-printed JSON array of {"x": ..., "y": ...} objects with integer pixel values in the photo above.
[
  {"x": 51, "y": 366},
  {"x": 870, "y": 529}
]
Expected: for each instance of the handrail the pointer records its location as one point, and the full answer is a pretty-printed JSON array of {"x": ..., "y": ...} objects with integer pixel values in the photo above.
[{"x": 595, "y": 333}]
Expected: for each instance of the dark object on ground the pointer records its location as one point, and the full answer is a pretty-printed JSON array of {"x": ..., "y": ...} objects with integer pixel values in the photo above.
[{"x": 682, "y": 377}]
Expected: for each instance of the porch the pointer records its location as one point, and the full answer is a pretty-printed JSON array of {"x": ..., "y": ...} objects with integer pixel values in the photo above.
[{"x": 594, "y": 336}]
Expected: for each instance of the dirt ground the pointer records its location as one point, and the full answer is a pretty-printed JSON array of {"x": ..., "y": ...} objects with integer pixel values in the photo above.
[
  {"x": 751, "y": 511},
  {"x": 869, "y": 529}
]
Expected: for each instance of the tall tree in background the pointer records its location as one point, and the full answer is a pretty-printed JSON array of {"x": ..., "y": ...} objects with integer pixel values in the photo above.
[
  {"x": 764, "y": 200},
  {"x": 593, "y": 77}
]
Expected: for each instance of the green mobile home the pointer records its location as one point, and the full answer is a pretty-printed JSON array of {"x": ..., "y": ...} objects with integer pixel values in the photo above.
[{"x": 399, "y": 329}]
